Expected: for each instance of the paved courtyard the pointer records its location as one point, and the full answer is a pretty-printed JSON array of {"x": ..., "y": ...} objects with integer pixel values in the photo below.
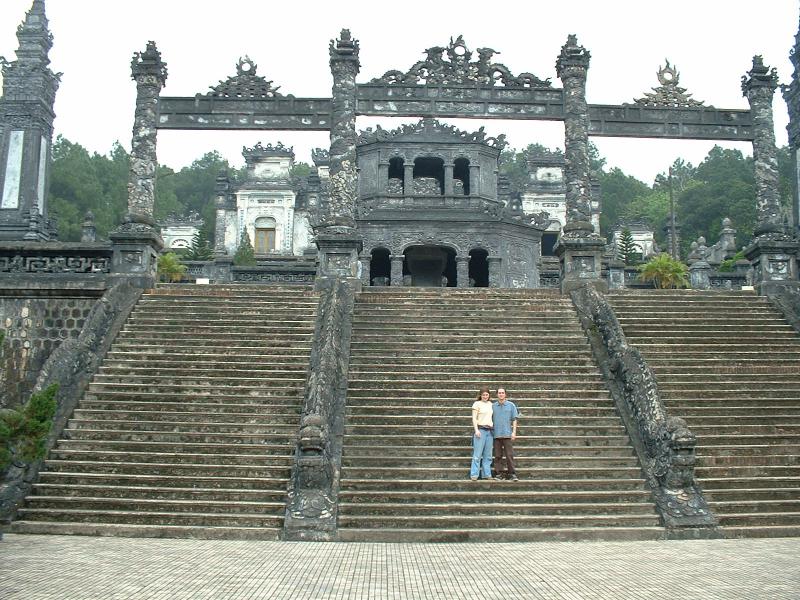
[{"x": 82, "y": 568}]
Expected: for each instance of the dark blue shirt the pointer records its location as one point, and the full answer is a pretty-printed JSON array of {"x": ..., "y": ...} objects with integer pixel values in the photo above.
[{"x": 502, "y": 417}]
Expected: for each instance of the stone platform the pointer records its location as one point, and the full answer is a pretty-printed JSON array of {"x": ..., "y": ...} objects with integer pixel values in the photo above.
[{"x": 79, "y": 568}]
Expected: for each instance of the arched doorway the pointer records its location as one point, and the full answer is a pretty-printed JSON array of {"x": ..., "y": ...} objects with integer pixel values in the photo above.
[
  {"x": 478, "y": 268},
  {"x": 430, "y": 266},
  {"x": 264, "y": 242},
  {"x": 380, "y": 267}
]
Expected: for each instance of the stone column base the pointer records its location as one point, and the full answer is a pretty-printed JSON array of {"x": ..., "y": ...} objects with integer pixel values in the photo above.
[
  {"x": 581, "y": 262},
  {"x": 222, "y": 269},
  {"x": 339, "y": 248},
  {"x": 774, "y": 261},
  {"x": 135, "y": 248}
]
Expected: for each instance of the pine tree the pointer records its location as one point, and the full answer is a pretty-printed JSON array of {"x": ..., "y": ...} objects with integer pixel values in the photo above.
[
  {"x": 245, "y": 255},
  {"x": 627, "y": 249},
  {"x": 200, "y": 248}
]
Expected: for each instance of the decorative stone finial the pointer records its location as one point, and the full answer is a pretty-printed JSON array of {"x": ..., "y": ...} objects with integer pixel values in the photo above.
[
  {"x": 759, "y": 76},
  {"x": 149, "y": 64},
  {"x": 345, "y": 48},
  {"x": 573, "y": 56}
]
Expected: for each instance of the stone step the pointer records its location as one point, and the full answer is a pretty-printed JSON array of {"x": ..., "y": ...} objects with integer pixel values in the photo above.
[
  {"x": 741, "y": 419},
  {"x": 289, "y": 379},
  {"x": 218, "y": 337},
  {"x": 220, "y": 400},
  {"x": 288, "y": 389},
  {"x": 485, "y": 508},
  {"x": 722, "y": 451},
  {"x": 443, "y": 366},
  {"x": 744, "y": 483},
  {"x": 445, "y": 429},
  {"x": 758, "y": 519},
  {"x": 143, "y": 369},
  {"x": 169, "y": 469},
  {"x": 519, "y": 382},
  {"x": 164, "y": 414},
  {"x": 536, "y": 411},
  {"x": 556, "y": 438},
  {"x": 523, "y": 470},
  {"x": 162, "y": 493},
  {"x": 134, "y": 517},
  {"x": 684, "y": 392},
  {"x": 202, "y": 362},
  {"x": 504, "y": 492},
  {"x": 735, "y": 471},
  {"x": 184, "y": 345},
  {"x": 120, "y": 456},
  {"x": 517, "y": 534},
  {"x": 422, "y": 320},
  {"x": 182, "y": 426},
  {"x": 176, "y": 351},
  {"x": 524, "y": 450},
  {"x": 759, "y": 506},
  {"x": 463, "y": 402},
  {"x": 287, "y": 435},
  {"x": 464, "y": 420},
  {"x": 710, "y": 440},
  {"x": 714, "y": 404},
  {"x": 497, "y": 521},
  {"x": 279, "y": 331},
  {"x": 446, "y": 486},
  {"x": 160, "y": 505},
  {"x": 215, "y": 532},
  {"x": 467, "y": 389},
  {"x": 133, "y": 447},
  {"x": 530, "y": 462},
  {"x": 164, "y": 481},
  {"x": 747, "y": 495}
]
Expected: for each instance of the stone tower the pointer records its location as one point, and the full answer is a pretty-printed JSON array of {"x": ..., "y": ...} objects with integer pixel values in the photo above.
[{"x": 26, "y": 132}]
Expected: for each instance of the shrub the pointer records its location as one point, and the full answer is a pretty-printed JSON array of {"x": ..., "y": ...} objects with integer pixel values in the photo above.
[
  {"x": 245, "y": 255},
  {"x": 23, "y": 431},
  {"x": 665, "y": 272},
  {"x": 170, "y": 267}
]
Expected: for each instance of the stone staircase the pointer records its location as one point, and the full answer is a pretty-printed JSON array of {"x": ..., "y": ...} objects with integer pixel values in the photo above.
[
  {"x": 188, "y": 429},
  {"x": 729, "y": 364},
  {"x": 418, "y": 357}
]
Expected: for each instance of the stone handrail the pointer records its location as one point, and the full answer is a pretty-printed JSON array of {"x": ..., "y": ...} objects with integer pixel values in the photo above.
[
  {"x": 312, "y": 502},
  {"x": 664, "y": 444}
]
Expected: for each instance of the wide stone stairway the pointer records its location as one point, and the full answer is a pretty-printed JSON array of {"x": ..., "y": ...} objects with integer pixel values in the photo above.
[
  {"x": 418, "y": 357},
  {"x": 729, "y": 364},
  {"x": 188, "y": 429}
]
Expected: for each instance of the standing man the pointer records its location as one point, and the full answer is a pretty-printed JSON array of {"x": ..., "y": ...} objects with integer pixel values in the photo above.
[{"x": 504, "y": 418}]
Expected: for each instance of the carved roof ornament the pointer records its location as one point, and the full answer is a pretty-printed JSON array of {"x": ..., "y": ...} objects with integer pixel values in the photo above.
[
  {"x": 759, "y": 76},
  {"x": 321, "y": 157},
  {"x": 669, "y": 94},
  {"x": 258, "y": 151},
  {"x": 149, "y": 63},
  {"x": 245, "y": 84},
  {"x": 429, "y": 129},
  {"x": 457, "y": 68}
]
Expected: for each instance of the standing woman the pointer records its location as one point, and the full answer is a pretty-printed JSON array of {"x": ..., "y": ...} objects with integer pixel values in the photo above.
[{"x": 481, "y": 436}]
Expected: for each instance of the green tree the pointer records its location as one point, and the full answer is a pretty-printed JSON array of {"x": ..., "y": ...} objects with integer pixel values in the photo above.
[
  {"x": 245, "y": 256},
  {"x": 170, "y": 268},
  {"x": 619, "y": 191},
  {"x": 628, "y": 251},
  {"x": 200, "y": 248},
  {"x": 724, "y": 186},
  {"x": 665, "y": 272}
]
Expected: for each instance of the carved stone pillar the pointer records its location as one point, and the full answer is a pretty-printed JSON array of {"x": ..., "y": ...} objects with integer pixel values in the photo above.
[
  {"x": 791, "y": 94},
  {"x": 383, "y": 177},
  {"x": 448, "y": 180},
  {"x": 494, "y": 263},
  {"x": 396, "y": 273},
  {"x": 222, "y": 188},
  {"x": 773, "y": 251},
  {"x": 408, "y": 179},
  {"x": 699, "y": 271},
  {"x": 136, "y": 243},
  {"x": 366, "y": 261},
  {"x": 88, "y": 229},
  {"x": 150, "y": 74},
  {"x": 337, "y": 239},
  {"x": 616, "y": 275},
  {"x": 759, "y": 87},
  {"x": 580, "y": 248},
  {"x": 474, "y": 180},
  {"x": 462, "y": 271}
]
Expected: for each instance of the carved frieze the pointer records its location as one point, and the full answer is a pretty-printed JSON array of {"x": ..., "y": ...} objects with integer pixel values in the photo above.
[
  {"x": 429, "y": 129},
  {"x": 453, "y": 65},
  {"x": 54, "y": 264},
  {"x": 245, "y": 84}
]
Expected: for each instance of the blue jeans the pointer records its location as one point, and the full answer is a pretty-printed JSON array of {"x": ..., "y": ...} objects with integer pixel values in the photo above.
[{"x": 482, "y": 454}]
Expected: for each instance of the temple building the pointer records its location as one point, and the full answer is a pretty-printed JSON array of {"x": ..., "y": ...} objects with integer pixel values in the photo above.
[
  {"x": 178, "y": 231},
  {"x": 431, "y": 208}
]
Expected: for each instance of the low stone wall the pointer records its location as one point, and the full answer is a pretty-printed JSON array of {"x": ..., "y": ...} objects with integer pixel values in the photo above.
[
  {"x": 786, "y": 298},
  {"x": 38, "y": 313},
  {"x": 71, "y": 365}
]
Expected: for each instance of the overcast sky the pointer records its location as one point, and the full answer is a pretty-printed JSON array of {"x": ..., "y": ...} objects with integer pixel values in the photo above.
[{"x": 710, "y": 41}]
